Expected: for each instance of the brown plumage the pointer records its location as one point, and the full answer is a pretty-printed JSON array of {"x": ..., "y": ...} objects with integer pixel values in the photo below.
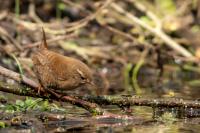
[{"x": 59, "y": 72}]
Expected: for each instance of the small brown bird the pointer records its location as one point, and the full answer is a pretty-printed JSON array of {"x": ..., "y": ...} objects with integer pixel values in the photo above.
[{"x": 59, "y": 72}]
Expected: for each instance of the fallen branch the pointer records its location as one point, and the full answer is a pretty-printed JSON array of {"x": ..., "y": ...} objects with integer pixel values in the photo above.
[
  {"x": 126, "y": 101},
  {"x": 19, "y": 78}
]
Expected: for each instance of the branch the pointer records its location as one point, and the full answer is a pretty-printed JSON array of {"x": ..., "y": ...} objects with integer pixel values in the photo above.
[
  {"x": 19, "y": 78},
  {"x": 123, "y": 101}
]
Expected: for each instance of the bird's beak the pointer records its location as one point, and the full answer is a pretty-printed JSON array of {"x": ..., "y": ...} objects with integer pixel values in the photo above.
[{"x": 92, "y": 83}]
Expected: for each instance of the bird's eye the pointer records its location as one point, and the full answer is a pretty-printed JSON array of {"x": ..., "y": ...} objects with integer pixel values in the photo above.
[
  {"x": 83, "y": 78},
  {"x": 81, "y": 74}
]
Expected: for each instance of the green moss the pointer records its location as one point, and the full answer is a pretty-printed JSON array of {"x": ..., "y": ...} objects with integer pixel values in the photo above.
[
  {"x": 2, "y": 124},
  {"x": 32, "y": 104}
]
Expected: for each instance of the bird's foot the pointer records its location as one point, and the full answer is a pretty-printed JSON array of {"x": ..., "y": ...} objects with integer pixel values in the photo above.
[{"x": 40, "y": 89}]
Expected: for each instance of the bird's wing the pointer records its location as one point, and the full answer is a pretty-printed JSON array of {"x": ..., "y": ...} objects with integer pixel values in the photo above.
[{"x": 61, "y": 69}]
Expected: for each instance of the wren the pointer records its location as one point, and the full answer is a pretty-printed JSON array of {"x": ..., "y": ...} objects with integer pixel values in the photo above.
[{"x": 58, "y": 72}]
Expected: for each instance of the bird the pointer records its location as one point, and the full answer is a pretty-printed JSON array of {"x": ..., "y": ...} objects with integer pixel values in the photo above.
[{"x": 58, "y": 72}]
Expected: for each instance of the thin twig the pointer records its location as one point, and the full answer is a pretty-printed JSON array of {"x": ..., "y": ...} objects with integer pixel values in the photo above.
[
  {"x": 6, "y": 35},
  {"x": 158, "y": 32},
  {"x": 73, "y": 26},
  {"x": 55, "y": 39},
  {"x": 32, "y": 13}
]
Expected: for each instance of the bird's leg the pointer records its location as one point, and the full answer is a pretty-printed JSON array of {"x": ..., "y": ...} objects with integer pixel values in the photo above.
[
  {"x": 40, "y": 89},
  {"x": 57, "y": 95}
]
